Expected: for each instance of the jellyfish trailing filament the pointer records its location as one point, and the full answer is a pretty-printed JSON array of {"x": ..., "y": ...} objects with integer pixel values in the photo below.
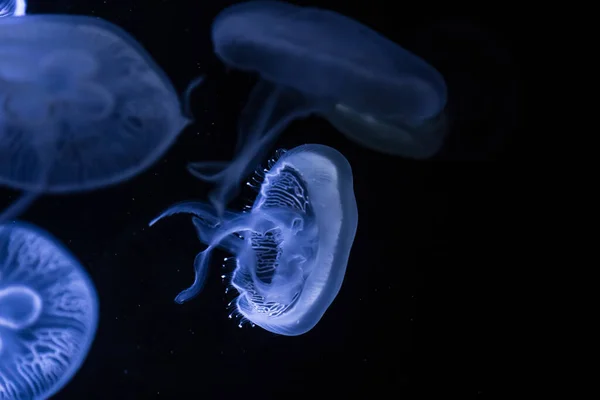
[
  {"x": 291, "y": 248},
  {"x": 12, "y": 8},
  {"x": 82, "y": 106},
  {"x": 315, "y": 61},
  {"x": 48, "y": 314}
]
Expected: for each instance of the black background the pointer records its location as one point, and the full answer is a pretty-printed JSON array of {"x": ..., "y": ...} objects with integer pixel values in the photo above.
[{"x": 419, "y": 222}]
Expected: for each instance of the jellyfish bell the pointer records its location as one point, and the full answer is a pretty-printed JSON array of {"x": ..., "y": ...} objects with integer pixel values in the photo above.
[
  {"x": 26, "y": 105},
  {"x": 82, "y": 106},
  {"x": 316, "y": 61},
  {"x": 392, "y": 131},
  {"x": 291, "y": 248},
  {"x": 70, "y": 64},
  {"x": 20, "y": 307},
  {"x": 12, "y": 8},
  {"x": 48, "y": 313},
  {"x": 16, "y": 65},
  {"x": 326, "y": 55}
]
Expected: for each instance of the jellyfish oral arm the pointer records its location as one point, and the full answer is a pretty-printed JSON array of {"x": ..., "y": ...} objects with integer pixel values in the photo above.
[
  {"x": 212, "y": 231},
  {"x": 231, "y": 243},
  {"x": 18, "y": 207},
  {"x": 28, "y": 198},
  {"x": 270, "y": 109},
  {"x": 298, "y": 249},
  {"x": 205, "y": 222},
  {"x": 193, "y": 85},
  {"x": 199, "y": 209},
  {"x": 239, "y": 224}
]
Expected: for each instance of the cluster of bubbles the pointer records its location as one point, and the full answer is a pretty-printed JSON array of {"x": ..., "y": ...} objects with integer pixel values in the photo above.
[{"x": 84, "y": 106}]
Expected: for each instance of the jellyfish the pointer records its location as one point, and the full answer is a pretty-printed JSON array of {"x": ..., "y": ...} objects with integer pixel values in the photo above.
[
  {"x": 48, "y": 313},
  {"x": 14, "y": 8},
  {"x": 291, "y": 247},
  {"x": 315, "y": 61},
  {"x": 82, "y": 106}
]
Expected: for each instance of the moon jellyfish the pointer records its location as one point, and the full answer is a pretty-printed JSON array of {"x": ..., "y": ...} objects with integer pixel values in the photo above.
[
  {"x": 15, "y": 8},
  {"x": 82, "y": 106},
  {"x": 48, "y": 313},
  {"x": 292, "y": 246},
  {"x": 313, "y": 60}
]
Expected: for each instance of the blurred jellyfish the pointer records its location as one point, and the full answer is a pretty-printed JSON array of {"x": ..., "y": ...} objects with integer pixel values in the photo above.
[
  {"x": 312, "y": 60},
  {"x": 14, "y": 8},
  {"x": 48, "y": 313},
  {"x": 82, "y": 106},
  {"x": 291, "y": 248}
]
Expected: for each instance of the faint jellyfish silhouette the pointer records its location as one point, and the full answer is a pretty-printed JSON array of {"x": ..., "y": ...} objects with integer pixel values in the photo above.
[
  {"x": 485, "y": 112},
  {"x": 82, "y": 106},
  {"x": 48, "y": 313},
  {"x": 9, "y": 8},
  {"x": 313, "y": 60},
  {"x": 291, "y": 248}
]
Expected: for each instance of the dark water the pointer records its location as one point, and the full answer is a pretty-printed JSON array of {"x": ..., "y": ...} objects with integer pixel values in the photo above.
[{"x": 419, "y": 224}]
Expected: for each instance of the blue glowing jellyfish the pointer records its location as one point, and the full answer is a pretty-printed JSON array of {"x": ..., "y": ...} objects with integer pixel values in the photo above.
[
  {"x": 48, "y": 313},
  {"x": 312, "y": 60},
  {"x": 82, "y": 106},
  {"x": 14, "y": 8},
  {"x": 291, "y": 248}
]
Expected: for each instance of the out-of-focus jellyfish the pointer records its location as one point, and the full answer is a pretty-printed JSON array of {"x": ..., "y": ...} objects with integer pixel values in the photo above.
[
  {"x": 14, "y": 8},
  {"x": 291, "y": 248},
  {"x": 48, "y": 313},
  {"x": 82, "y": 106},
  {"x": 313, "y": 60}
]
